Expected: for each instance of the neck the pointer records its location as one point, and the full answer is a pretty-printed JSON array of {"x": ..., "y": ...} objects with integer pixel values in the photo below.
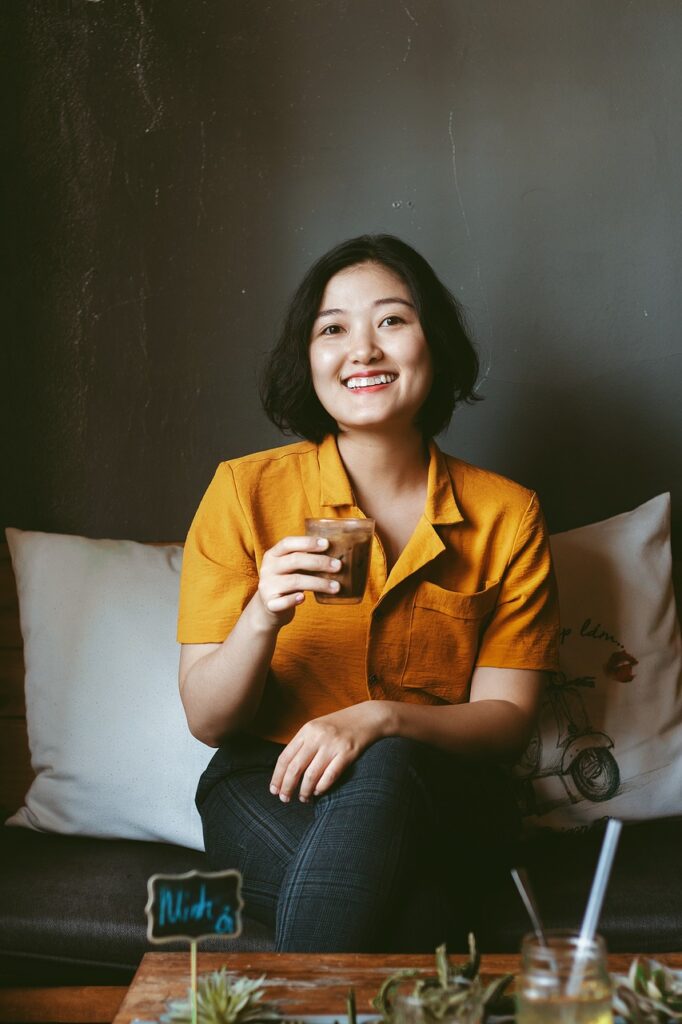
[{"x": 379, "y": 468}]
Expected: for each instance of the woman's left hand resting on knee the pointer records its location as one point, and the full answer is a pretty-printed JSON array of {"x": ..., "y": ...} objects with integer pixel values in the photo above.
[{"x": 492, "y": 724}]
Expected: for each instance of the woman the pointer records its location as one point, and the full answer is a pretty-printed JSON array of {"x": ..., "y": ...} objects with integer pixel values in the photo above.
[{"x": 356, "y": 784}]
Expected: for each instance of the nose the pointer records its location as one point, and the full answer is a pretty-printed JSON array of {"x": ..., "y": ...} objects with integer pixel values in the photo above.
[{"x": 364, "y": 347}]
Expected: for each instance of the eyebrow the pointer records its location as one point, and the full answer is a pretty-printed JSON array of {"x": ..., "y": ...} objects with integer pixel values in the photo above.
[{"x": 377, "y": 302}]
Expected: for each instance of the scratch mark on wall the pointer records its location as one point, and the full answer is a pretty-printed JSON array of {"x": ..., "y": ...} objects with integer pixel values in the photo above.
[
  {"x": 409, "y": 38},
  {"x": 121, "y": 303},
  {"x": 142, "y": 321},
  {"x": 84, "y": 349},
  {"x": 477, "y": 262},
  {"x": 457, "y": 188},
  {"x": 81, "y": 357},
  {"x": 140, "y": 301},
  {"x": 201, "y": 213},
  {"x": 156, "y": 109},
  {"x": 532, "y": 191}
]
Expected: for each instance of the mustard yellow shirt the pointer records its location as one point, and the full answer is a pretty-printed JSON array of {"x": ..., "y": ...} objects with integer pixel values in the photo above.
[{"x": 473, "y": 586}]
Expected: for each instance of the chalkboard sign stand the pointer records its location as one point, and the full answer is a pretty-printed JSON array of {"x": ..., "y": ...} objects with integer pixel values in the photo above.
[
  {"x": 193, "y": 906},
  {"x": 193, "y": 977}
]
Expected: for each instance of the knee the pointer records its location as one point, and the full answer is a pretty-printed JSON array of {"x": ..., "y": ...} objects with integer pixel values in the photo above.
[
  {"x": 393, "y": 762},
  {"x": 391, "y": 750}
]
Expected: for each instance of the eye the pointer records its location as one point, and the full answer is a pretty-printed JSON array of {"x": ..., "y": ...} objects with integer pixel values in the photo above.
[
  {"x": 394, "y": 317},
  {"x": 330, "y": 329}
]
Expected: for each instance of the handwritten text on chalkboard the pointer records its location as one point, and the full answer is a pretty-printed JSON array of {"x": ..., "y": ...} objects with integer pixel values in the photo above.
[{"x": 194, "y": 906}]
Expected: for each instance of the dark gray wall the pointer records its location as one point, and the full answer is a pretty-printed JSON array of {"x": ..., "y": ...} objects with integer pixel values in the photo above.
[{"x": 173, "y": 166}]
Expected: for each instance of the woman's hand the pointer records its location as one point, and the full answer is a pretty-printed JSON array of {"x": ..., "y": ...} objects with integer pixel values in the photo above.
[
  {"x": 323, "y": 748},
  {"x": 285, "y": 574}
]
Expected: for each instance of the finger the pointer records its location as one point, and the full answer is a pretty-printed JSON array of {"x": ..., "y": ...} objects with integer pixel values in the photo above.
[
  {"x": 281, "y": 603},
  {"x": 312, "y": 775},
  {"x": 301, "y": 561},
  {"x": 295, "y": 769},
  {"x": 332, "y": 772},
  {"x": 288, "y": 544},
  {"x": 283, "y": 586},
  {"x": 283, "y": 760}
]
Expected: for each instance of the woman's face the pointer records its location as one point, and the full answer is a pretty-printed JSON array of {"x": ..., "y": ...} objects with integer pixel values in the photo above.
[{"x": 367, "y": 328}]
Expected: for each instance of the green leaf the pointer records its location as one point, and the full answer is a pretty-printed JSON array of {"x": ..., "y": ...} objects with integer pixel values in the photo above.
[
  {"x": 350, "y": 1007},
  {"x": 383, "y": 999},
  {"x": 659, "y": 979},
  {"x": 641, "y": 979},
  {"x": 628, "y": 997},
  {"x": 494, "y": 990},
  {"x": 442, "y": 965},
  {"x": 470, "y": 969}
]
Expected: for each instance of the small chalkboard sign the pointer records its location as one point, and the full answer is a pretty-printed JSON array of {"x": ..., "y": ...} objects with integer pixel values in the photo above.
[{"x": 193, "y": 906}]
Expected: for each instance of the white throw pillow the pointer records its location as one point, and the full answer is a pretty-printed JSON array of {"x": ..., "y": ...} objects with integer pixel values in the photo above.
[
  {"x": 610, "y": 736},
  {"x": 109, "y": 742}
]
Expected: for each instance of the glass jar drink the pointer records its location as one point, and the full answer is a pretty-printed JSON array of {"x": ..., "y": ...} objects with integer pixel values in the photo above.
[
  {"x": 350, "y": 540},
  {"x": 565, "y": 981}
]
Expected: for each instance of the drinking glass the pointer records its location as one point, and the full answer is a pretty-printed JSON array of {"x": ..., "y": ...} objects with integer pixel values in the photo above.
[
  {"x": 350, "y": 540},
  {"x": 563, "y": 981}
]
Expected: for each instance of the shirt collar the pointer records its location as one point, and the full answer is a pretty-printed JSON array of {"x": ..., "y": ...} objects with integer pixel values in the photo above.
[
  {"x": 441, "y": 504},
  {"x": 335, "y": 488}
]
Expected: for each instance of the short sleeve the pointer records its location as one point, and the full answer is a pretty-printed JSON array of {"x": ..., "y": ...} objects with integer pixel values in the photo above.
[
  {"x": 524, "y": 628},
  {"x": 219, "y": 574}
]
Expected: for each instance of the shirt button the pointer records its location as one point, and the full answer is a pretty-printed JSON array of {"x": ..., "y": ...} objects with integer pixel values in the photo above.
[{"x": 374, "y": 678}]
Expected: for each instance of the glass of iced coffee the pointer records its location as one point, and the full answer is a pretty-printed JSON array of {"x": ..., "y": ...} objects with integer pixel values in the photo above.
[{"x": 350, "y": 540}]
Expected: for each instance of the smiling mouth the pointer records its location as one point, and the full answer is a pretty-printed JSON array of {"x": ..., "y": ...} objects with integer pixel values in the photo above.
[{"x": 356, "y": 383}]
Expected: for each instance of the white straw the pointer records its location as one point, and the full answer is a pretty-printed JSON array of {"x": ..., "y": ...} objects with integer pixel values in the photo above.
[
  {"x": 594, "y": 903},
  {"x": 600, "y": 881}
]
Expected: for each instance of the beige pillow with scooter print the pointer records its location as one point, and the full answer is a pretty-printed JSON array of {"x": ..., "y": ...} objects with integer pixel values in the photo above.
[{"x": 609, "y": 742}]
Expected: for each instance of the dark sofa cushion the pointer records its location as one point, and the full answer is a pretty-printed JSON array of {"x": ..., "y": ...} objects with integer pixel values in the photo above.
[
  {"x": 72, "y": 908},
  {"x": 642, "y": 911}
]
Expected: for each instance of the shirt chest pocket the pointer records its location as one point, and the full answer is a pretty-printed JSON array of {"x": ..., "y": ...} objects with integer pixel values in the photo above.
[{"x": 445, "y": 632}]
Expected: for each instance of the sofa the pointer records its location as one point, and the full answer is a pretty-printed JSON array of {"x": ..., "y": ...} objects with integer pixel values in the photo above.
[{"x": 72, "y": 906}]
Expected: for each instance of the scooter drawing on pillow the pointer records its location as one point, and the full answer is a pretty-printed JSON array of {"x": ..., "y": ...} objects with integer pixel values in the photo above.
[{"x": 566, "y": 743}]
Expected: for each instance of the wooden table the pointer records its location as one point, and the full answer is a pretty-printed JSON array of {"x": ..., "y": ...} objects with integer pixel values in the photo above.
[{"x": 300, "y": 983}]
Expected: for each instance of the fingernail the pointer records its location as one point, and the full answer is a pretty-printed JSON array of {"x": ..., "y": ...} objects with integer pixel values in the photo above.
[
  {"x": 335, "y": 563},
  {"x": 322, "y": 542},
  {"x": 334, "y": 585},
  {"x": 273, "y": 790},
  {"x": 303, "y": 799},
  {"x": 284, "y": 798}
]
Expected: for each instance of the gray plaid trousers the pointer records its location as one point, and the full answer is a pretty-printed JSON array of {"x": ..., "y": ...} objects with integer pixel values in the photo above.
[{"x": 386, "y": 861}]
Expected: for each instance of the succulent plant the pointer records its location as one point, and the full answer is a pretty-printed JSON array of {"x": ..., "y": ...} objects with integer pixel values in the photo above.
[
  {"x": 222, "y": 999},
  {"x": 455, "y": 992},
  {"x": 651, "y": 993}
]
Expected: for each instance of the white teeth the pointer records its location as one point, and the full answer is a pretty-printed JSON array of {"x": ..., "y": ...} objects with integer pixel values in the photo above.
[{"x": 368, "y": 382}]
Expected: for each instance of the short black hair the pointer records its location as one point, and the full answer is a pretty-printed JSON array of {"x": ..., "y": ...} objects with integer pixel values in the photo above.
[{"x": 286, "y": 386}]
